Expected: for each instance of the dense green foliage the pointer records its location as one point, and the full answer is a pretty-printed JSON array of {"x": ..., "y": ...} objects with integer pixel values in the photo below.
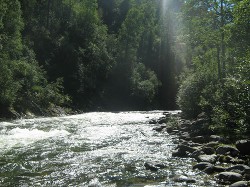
[
  {"x": 24, "y": 86},
  {"x": 86, "y": 55},
  {"x": 217, "y": 36}
]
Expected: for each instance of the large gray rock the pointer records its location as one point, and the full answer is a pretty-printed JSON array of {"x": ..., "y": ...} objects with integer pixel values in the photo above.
[
  {"x": 186, "y": 148},
  {"x": 240, "y": 184},
  {"x": 212, "y": 144},
  {"x": 240, "y": 168},
  {"x": 207, "y": 158},
  {"x": 199, "y": 139},
  {"x": 151, "y": 166},
  {"x": 196, "y": 154},
  {"x": 185, "y": 136},
  {"x": 243, "y": 146},
  {"x": 183, "y": 178},
  {"x": 208, "y": 150},
  {"x": 214, "y": 169},
  {"x": 202, "y": 165},
  {"x": 179, "y": 153},
  {"x": 229, "y": 177},
  {"x": 227, "y": 150},
  {"x": 160, "y": 128},
  {"x": 216, "y": 138}
]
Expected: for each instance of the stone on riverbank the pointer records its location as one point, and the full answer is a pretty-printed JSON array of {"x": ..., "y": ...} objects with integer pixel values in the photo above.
[
  {"x": 229, "y": 177},
  {"x": 241, "y": 168},
  {"x": 154, "y": 166},
  {"x": 202, "y": 165},
  {"x": 227, "y": 150},
  {"x": 183, "y": 178},
  {"x": 243, "y": 146},
  {"x": 207, "y": 158},
  {"x": 216, "y": 138},
  {"x": 240, "y": 184},
  {"x": 160, "y": 128},
  {"x": 208, "y": 150},
  {"x": 214, "y": 169}
]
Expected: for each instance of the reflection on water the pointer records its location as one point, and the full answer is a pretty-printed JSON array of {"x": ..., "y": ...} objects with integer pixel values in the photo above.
[{"x": 92, "y": 149}]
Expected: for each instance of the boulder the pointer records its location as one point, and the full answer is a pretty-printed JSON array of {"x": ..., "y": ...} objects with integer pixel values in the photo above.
[
  {"x": 240, "y": 184},
  {"x": 229, "y": 177},
  {"x": 151, "y": 166},
  {"x": 225, "y": 159},
  {"x": 179, "y": 153},
  {"x": 162, "y": 120},
  {"x": 243, "y": 146},
  {"x": 196, "y": 154},
  {"x": 227, "y": 150},
  {"x": 202, "y": 165},
  {"x": 214, "y": 169},
  {"x": 153, "y": 121},
  {"x": 240, "y": 168},
  {"x": 212, "y": 144},
  {"x": 207, "y": 158},
  {"x": 199, "y": 139},
  {"x": 186, "y": 148},
  {"x": 208, "y": 150},
  {"x": 183, "y": 178},
  {"x": 185, "y": 136},
  {"x": 159, "y": 128},
  {"x": 169, "y": 129},
  {"x": 216, "y": 138},
  {"x": 229, "y": 159}
]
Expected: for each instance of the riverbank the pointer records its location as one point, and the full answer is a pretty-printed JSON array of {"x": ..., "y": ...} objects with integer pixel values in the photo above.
[{"x": 226, "y": 161}]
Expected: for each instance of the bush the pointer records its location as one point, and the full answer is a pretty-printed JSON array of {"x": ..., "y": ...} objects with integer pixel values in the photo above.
[
  {"x": 231, "y": 114},
  {"x": 144, "y": 83}
]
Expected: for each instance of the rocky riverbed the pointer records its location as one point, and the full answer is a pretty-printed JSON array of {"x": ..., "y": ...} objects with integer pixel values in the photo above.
[{"x": 227, "y": 162}]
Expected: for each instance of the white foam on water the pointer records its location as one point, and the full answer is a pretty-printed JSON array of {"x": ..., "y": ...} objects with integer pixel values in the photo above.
[{"x": 22, "y": 137}]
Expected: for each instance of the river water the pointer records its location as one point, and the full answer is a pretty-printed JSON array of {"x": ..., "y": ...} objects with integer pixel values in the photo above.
[{"x": 91, "y": 149}]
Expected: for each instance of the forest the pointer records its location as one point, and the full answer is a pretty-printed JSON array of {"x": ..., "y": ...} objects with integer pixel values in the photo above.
[{"x": 113, "y": 55}]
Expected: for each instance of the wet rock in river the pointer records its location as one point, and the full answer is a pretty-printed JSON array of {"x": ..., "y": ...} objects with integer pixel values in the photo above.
[
  {"x": 240, "y": 184},
  {"x": 216, "y": 138},
  {"x": 162, "y": 120},
  {"x": 196, "y": 154},
  {"x": 243, "y": 146},
  {"x": 153, "y": 121},
  {"x": 179, "y": 153},
  {"x": 169, "y": 129},
  {"x": 160, "y": 128},
  {"x": 229, "y": 159},
  {"x": 208, "y": 150},
  {"x": 150, "y": 167},
  {"x": 154, "y": 166},
  {"x": 229, "y": 177},
  {"x": 185, "y": 136},
  {"x": 241, "y": 168},
  {"x": 186, "y": 148},
  {"x": 202, "y": 165},
  {"x": 212, "y": 144},
  {"x": 227, "y": 150},
  {"x": 207, "y": 158},
  {"x": 214, "y": 169},
  {"x": 183, "y": 178},
  {"x": 199, "y": 139}
]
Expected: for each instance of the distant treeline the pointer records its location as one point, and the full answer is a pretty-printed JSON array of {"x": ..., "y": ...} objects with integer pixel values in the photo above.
[{"x": 88, "y": 55}]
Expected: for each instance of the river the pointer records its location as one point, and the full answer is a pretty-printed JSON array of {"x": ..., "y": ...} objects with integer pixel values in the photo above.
[{"x": 91, "y": 149}]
